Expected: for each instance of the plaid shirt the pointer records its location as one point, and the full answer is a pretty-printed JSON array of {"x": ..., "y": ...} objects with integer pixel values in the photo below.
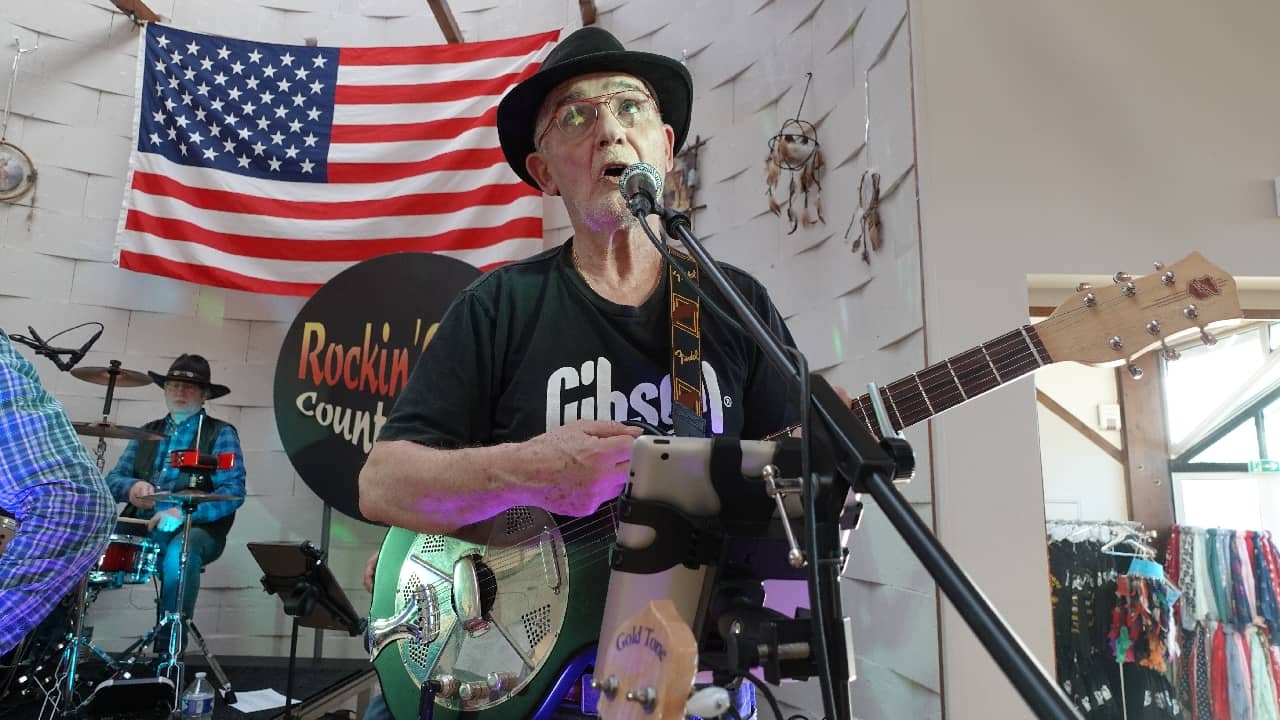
[
  {"x": 51, "y": 486},
  {"x": 182, "y": 436}
]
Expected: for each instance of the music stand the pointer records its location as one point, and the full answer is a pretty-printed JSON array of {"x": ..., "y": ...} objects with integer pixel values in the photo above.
[{"x": 310, "y": 594}]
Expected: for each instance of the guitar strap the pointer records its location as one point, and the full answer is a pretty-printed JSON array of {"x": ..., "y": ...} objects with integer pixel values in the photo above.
[{"x": 686, "y": 350}]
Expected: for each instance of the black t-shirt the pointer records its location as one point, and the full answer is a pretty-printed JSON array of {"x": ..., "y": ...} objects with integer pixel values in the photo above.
[{"x": 530, "y": 346}]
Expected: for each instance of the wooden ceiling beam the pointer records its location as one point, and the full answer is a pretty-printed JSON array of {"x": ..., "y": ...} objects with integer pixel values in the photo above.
[
  {"x": 588, "y": 8},
  {"x": 137, "y": 10},
  {"x": 444, "y": 17}
]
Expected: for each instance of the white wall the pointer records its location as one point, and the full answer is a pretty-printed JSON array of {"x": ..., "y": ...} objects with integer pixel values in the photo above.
[
  {"x": 73, "y": 110},
  {"x": 1081, "y": 481},
  {"x": 1080, "y": 137}
]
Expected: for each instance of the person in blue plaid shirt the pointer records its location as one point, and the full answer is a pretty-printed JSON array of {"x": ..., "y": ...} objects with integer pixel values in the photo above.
[
  {"x": 51, "y": 487},
  {"x": 144, "y": 470}
]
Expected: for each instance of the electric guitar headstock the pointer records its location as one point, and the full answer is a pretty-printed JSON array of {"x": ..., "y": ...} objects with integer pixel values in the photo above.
[
  {"x": 1114, "y": 324},
  {"x": 646, "y": 669}
]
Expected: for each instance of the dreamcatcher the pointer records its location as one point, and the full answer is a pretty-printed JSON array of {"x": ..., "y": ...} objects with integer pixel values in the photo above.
[{"x": 795, "y": 149}]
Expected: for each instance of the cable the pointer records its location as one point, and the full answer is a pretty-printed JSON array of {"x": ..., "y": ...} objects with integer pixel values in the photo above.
[
  {"x": 769, "y": 698},
  {"x": 77, "y": 327}
]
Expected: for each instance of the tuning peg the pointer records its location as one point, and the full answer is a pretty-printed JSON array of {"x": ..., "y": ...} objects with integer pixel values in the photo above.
[
  {"x": 1090, "y": 300},
  {"x": 1121, "y": 278},
  {"x": 1157, "y": 265},
  {"x": 1191, "y": 311},
  {"x": 607, "y": 686},
  {"x": 1153, "y": 327},
  {"x": 1135, "y": 372},
  {"x": 1081, "y": 287},
  {"x": 1128, "y": 289},
  {"x": 1115, "y": 342},
  {"x": 647, "y": 697},
  {"x": 1167, "y": 278},
  {"x": 1207, "y": 337}
]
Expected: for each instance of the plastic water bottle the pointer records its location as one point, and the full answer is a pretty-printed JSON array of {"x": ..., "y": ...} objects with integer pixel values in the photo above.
[{"x": 197, "y": 701}]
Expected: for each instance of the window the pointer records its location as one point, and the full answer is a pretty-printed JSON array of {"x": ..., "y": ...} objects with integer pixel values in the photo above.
[{"x": 1217, "y": 400}]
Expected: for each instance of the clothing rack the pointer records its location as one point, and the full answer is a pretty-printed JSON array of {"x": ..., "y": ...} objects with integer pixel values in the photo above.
[
  {"x": 1107, "y": 670},
  {"x": 1100, "y": 530}
]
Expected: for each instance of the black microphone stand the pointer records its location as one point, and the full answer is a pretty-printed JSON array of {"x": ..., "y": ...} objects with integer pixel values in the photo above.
[{"x": 862, "y": 465}]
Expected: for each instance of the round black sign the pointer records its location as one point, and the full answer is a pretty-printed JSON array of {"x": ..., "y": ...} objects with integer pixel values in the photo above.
[{"x": 347, "y": 356}]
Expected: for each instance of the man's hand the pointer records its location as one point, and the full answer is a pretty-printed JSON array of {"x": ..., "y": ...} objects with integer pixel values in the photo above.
[
  {"x": 140, "y": 489},
  {"x": 577, "y": 467},
  {"x": 369, "y": 566},
  {"x": 166, "y": 520}
]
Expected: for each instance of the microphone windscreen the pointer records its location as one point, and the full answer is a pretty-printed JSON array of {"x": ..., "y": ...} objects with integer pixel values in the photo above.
[{"x": 641, "y": 177}]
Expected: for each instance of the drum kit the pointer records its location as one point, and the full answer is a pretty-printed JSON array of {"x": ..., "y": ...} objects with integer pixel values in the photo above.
[{"x": 127, "y": 560}]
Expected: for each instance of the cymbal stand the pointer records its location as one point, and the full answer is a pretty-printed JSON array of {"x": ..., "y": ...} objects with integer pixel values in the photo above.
[
  {"x": 173, "y": 666},
  {"x": 100, "y": 452},
  {"x": 75, "y": 638}
]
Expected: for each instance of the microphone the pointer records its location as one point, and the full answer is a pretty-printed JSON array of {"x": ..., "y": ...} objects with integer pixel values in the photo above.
[
  {"x": 78, "y": 355},
  {"x": 641, "y": 186}
]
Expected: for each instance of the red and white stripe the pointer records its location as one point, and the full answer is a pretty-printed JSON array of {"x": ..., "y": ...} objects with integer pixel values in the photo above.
[{"x": 414, "y": 165}]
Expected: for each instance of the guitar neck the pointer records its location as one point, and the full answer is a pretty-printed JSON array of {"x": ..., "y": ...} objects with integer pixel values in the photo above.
[{"x": 957, "y": 379}]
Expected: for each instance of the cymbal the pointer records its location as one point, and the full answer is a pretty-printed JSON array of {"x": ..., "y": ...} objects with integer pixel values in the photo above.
[
  {"x": 188, "y": 497},
  {"x": 102, "y": 376},
  {"x": 106, "y": 429}
]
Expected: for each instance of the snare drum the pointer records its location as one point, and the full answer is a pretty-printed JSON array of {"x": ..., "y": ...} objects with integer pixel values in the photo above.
[
  {"x": 8, "y": 528},
  {"x": 128, "y": 560}
]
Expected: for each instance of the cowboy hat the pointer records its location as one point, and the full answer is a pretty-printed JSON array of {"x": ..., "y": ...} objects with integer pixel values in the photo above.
[
  {"x": 192, "y": 369},
  {"x": 585, "y": 51}
]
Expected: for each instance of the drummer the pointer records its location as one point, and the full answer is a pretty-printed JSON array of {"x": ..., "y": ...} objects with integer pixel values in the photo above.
[{"x": 144, "y": 470}]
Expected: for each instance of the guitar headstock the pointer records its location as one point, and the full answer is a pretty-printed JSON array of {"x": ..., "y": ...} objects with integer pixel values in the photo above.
[
  {"x": 646, "y": 670},
  {"x": 1116, "y": 323}
]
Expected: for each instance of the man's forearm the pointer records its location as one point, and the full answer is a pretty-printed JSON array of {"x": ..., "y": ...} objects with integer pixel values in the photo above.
[{"x": 437, "y": 491}]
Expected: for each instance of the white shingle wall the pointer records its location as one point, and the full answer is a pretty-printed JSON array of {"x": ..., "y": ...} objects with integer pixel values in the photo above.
[{"x": 72, "y": 111}]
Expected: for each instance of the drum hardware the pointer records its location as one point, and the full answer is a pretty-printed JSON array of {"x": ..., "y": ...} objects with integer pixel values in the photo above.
[
  {"x": 113, "y": 376},
  {"x": 127, "y": 560},
  {"x": 8, "y": 529},
  {"x": 172, "y": 666}
]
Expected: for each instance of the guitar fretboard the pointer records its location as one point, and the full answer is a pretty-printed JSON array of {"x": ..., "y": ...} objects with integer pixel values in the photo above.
[{"x": 961, "y": 377}]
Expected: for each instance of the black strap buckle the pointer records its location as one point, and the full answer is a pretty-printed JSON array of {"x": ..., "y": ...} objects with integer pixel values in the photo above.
[{"x": 679, "y": 539}]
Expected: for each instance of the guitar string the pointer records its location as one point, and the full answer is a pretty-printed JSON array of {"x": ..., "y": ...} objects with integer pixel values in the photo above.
[
  {"x": 909, "y": 406},
  {"x": 578, "y": 530}
]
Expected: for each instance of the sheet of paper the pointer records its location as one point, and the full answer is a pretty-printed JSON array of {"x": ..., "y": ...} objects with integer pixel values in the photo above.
[{"x": 248, "y": 701}]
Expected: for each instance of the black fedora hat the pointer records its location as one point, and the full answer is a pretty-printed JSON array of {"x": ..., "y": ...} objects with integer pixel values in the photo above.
[
  {"x": 590, "y": 50},
  {"x": 192, "y": 369}
]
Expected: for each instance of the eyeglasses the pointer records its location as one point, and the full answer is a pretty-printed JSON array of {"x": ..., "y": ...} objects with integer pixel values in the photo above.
[{"x": 575, "y": 118}]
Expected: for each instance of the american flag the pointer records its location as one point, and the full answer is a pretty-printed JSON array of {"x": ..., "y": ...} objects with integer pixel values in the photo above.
[{"x": 271, "y": 168}]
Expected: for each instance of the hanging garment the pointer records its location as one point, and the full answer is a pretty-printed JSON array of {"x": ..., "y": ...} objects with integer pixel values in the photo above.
[
  {"x": 1273, "y": 654},
  {"x": 1239, "y": 685},
  {"x": 1221, "y": 561},
  {"x": 1242, "y": 568},
  {"x": 1266, "y": 590},
  {"x": 1264, "y": 692},
  {"x": 1206, "y": 607},
  {"x": 1189, "y": 605},
  {"x": 1202, "y": 690},
  {"x": 1218, "y": 674}
]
